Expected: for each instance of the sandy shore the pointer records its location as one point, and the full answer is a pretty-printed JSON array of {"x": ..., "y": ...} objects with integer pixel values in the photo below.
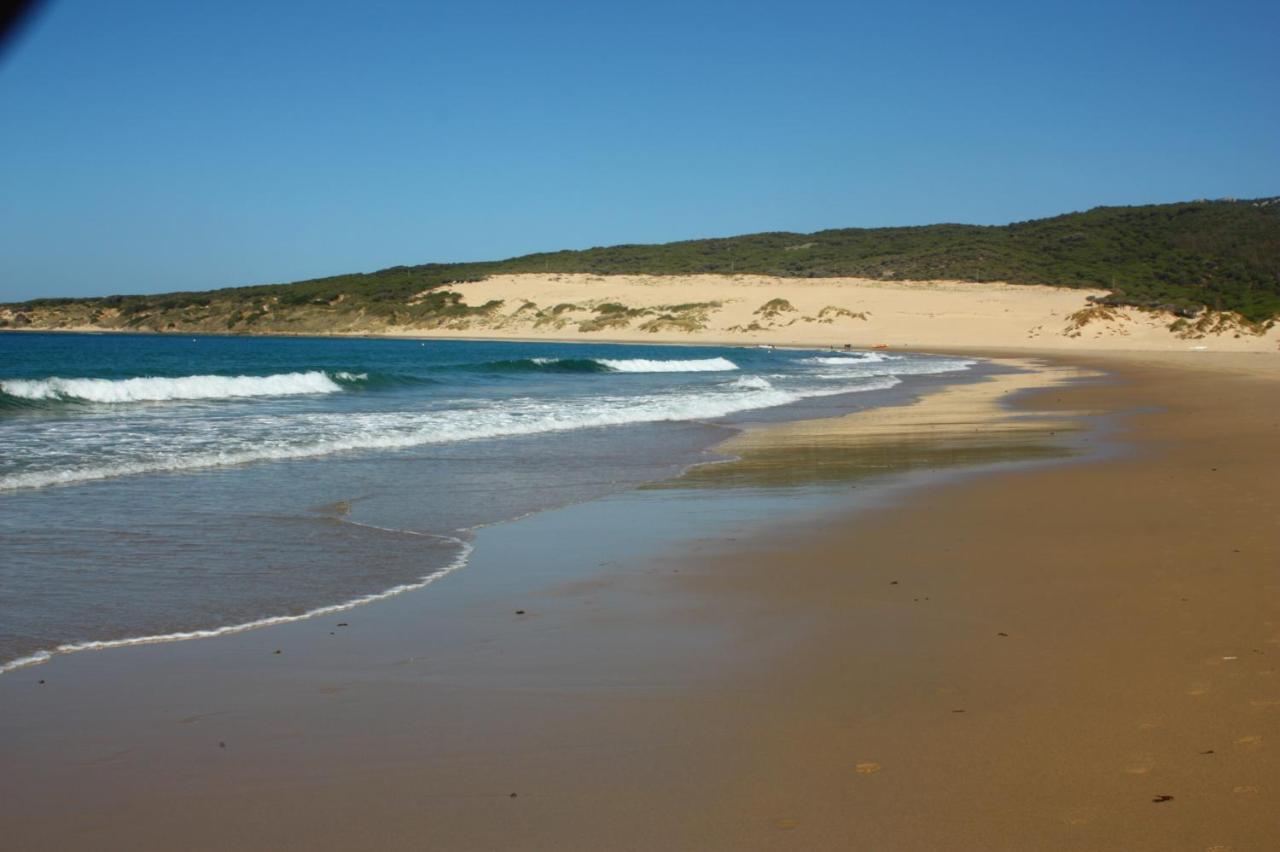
[
  {"x": 961, "y": 425},
  {"x": 1079, "y": 655},
  {"x": 1068, "y": 646}
]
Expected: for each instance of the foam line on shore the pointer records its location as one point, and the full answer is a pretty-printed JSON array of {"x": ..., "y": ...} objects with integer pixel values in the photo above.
[{"x": 458, "y": 562}]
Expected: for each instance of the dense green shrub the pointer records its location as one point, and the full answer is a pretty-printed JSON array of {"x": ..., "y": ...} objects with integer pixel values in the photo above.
[{"x": 1220, "y": 254}]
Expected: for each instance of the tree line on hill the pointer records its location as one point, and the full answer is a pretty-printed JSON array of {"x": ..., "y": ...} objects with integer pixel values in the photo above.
[{"x": 1222, "y": 255}]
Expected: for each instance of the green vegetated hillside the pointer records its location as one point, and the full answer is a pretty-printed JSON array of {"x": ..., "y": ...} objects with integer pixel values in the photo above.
[{"x": 1224, "y": 255}]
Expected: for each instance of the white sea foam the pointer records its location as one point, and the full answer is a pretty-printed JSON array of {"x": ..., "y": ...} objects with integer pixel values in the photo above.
[
  {"x": 645, "y": 365},
  {"x": 157, "y": 389},
  {"x": 209, "y": 633},
  {"x": 754, "y": 383},
  {"x": 299, "y": 436},
  {"x": 878, "y": 365},
  {"x": 933, "y": 367},
  {"x": 848, "y": 360},
  {"x": 23, "y": 662}
]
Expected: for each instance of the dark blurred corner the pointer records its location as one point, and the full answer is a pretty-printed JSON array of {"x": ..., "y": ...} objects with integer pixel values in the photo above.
[{"x": 15, "y": 16}]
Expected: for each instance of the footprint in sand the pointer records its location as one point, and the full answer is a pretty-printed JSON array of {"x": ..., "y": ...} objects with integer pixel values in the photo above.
[
  {"x": 867, "y": 768},
  {"x": 1251, "y": 741}
]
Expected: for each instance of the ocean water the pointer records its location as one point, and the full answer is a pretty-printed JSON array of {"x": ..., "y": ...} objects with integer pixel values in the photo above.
[{"x": 159, "y": 488}]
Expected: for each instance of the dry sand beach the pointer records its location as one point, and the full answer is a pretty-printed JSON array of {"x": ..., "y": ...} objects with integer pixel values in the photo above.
[{"x": 1077, "y": 655}]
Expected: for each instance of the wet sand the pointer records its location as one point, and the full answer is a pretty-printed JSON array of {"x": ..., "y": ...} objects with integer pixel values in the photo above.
[
  {"x": 1080, "y": 655},
  {"x": 960, "y": 425}
]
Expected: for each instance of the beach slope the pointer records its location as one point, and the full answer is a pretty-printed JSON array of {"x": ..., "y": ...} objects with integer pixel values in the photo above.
[{"x": 1079, "y": 655}]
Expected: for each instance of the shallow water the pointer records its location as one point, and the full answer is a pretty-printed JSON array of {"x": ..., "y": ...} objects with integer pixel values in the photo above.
[{"x": 155, "y": 485}]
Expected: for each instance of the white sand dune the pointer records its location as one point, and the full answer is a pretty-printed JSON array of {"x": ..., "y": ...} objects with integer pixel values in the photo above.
[{"x": 827, "y": 312}]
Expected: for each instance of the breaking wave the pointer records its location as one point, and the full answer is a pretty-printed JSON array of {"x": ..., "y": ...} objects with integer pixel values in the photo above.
[
  {"x": 535, "y": 365},
  {"x": 644, "y": 365},
  {"x": 322, "y": 434},
  {"x": 602, "y": 365},
  {"x": 162, "y": 389}
]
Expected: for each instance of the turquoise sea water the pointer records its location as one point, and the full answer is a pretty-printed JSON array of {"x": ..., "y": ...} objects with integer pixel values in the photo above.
[{"x": 162, "y": 487}]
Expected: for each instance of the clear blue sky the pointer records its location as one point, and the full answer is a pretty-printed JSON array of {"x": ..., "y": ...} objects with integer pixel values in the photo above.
[{"x": 148, "y": 146}]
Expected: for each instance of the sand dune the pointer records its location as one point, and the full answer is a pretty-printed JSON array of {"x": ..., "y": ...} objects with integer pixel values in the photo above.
[{"x": 828, "y": 312}]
